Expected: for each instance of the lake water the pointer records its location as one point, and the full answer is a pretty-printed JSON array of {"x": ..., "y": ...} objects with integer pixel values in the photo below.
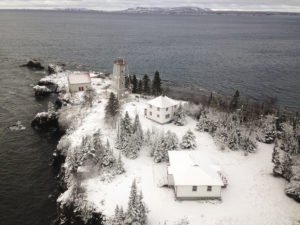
[{"x": 258, "y": 55}]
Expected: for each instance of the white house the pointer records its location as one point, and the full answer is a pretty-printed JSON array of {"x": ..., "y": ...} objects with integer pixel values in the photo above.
[
  {"x": 193, "y": 176},
  {"x": 79, "y": 82},
  {"x": 161, "y": 109}
]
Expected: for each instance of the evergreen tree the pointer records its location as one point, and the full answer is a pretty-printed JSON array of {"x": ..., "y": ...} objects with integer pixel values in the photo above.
[
  {"x": 146, "y": 84},
  {"x": 131, "y": 213},
  {"x": 188, "y": 140},
  {"x": 127, "y": 82},
  {"x": 124, "y": 132},
  {"x": 210, "y": 99},
  {"x": 205, "y": 124},
  {"x": 171, "y": 141},
  {"x": 120, "y": 166},
  {"x": 108, "y": 158},
  {"x": 136, "y": 212},
  {"x": 179, "y": 116},
  {"x": 132, "y": 148},
  {"x": 98, "y": 146},
  {"x": 234, "y": 101},
  {"x": 137, "y": 129},
  {"x": 140, "y": 87},
  {"x": 89, "y": 96},
  {"x": 112, "y": 107},
  {"x": 134, "y": 84},
  {"x": 164, "y": 143},
  {"x": 156, "y": 84}
]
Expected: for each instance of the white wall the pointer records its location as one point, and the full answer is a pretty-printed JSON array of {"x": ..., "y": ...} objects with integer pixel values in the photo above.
[
  {"x": 170, "y": 180},
  {"x": 187, "y": 192},
  {"x": 159, "y": 114},
  {"x": 118, "y": 76},
  {"x": 75, "y": 87}
]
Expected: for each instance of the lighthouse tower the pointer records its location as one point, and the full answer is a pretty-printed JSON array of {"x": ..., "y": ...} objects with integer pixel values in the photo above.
[{"x": 118, "y": 77}]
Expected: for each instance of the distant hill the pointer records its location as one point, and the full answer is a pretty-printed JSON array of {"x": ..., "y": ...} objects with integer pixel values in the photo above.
[
  {"x": 167, "y": 11},
  {"x": 189, "y": 10}
]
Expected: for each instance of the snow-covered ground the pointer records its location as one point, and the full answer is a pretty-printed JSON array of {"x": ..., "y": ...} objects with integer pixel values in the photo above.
[{"x": 253, "y": 196}]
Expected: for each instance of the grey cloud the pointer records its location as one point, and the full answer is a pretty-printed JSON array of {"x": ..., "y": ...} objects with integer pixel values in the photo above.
[{"x": 277, "y": 5}]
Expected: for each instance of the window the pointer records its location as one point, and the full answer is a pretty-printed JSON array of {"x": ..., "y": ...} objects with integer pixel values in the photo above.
[
  {"x": 150, "y": 106},
  {"x": 80, "y": 88},
  {"x": 209, "y": 188},
  {"x": 150, "y": 113},
  {"x": 167, "y": 116},
  {"x": 175, "y": 106},
  {"x": 158, "y": 109},
  {"x": 157, "y": 115},
  {"x": 194, "y": 188},
  {"x": 167, "y": 109}
]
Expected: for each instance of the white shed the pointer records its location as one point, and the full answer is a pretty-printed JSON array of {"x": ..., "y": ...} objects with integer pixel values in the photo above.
[
  {"x": 161, "y": 109},
  {"x": 194, "y": 176},
  {"x": 79, "y": 82}
]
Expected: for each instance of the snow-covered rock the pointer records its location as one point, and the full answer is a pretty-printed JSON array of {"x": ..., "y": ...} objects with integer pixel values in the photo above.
[
  {"x": 17, "y": 127},
  {"x": 41, "y": 90},
  {"x": 45, "y": 120}
]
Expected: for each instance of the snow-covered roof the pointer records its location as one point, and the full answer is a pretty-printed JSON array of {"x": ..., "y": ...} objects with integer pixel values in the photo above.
[
  {"x": 79, "y": 78},
  {"x": 193, "y": 168},
  {"x": 163, "y": 102}
]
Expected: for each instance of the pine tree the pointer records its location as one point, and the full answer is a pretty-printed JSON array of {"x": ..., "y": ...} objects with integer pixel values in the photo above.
[
  {"x": 171, "y": 141},
  {"x": 124, "y": 132},
  {"x": 164, "y": 143},
  {"x": 127, "y": 82},
  {"x": 136, "y": 211},
  {"x": 188, "y": 140},
  {"x": 108, "y": 158},
  {"x": 146, "y": 84},
  {"x": 89, "y": 96},
  {"x": 132, "y": 149},
  {"x": 137, "y": 129},
  {"x": 134, "y": 84},
  {"x": 98, "y": 146},
  {"x": 131, "y": 210},
  {"x": 210, "y": 99},
  {"x": 112, "y": 107},
  {"x": 156, "y": 84},
  {"x": 140, "y": 87},
  {"x": 179, "y": 116},
  {"x": 235, "y": 101},
  {"x": 120, "y": 166},
  {"x": 158, "y": 148}
]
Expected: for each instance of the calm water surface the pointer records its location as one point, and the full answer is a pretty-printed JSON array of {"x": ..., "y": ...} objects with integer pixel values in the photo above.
[{"x": 259, "y": 55}]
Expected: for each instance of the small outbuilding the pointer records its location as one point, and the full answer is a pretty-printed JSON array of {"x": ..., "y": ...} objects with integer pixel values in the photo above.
[
  {"x": 161, "y": 109},
  {"x": 79, "y": 82},
  {"x": 194, "y": 176}
]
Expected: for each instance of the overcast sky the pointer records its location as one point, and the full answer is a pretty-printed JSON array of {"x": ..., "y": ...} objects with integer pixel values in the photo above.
[{"x": 273, "y": 5}]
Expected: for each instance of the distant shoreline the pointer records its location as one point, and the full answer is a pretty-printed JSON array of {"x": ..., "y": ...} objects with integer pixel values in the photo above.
[{"x": 200, "y": 13}]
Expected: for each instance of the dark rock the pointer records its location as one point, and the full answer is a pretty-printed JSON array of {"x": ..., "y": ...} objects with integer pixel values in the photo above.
[
  {"x": 293, "y": 190},
  {"x": 58, "y": 103},
  {"x": 52, "y": 68},
  {"x": 45, "y": 120},
  {"x": 282, "y": 161},
  {"x": 44, "y": 82},
  {"x": 34, "y": 64}
]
